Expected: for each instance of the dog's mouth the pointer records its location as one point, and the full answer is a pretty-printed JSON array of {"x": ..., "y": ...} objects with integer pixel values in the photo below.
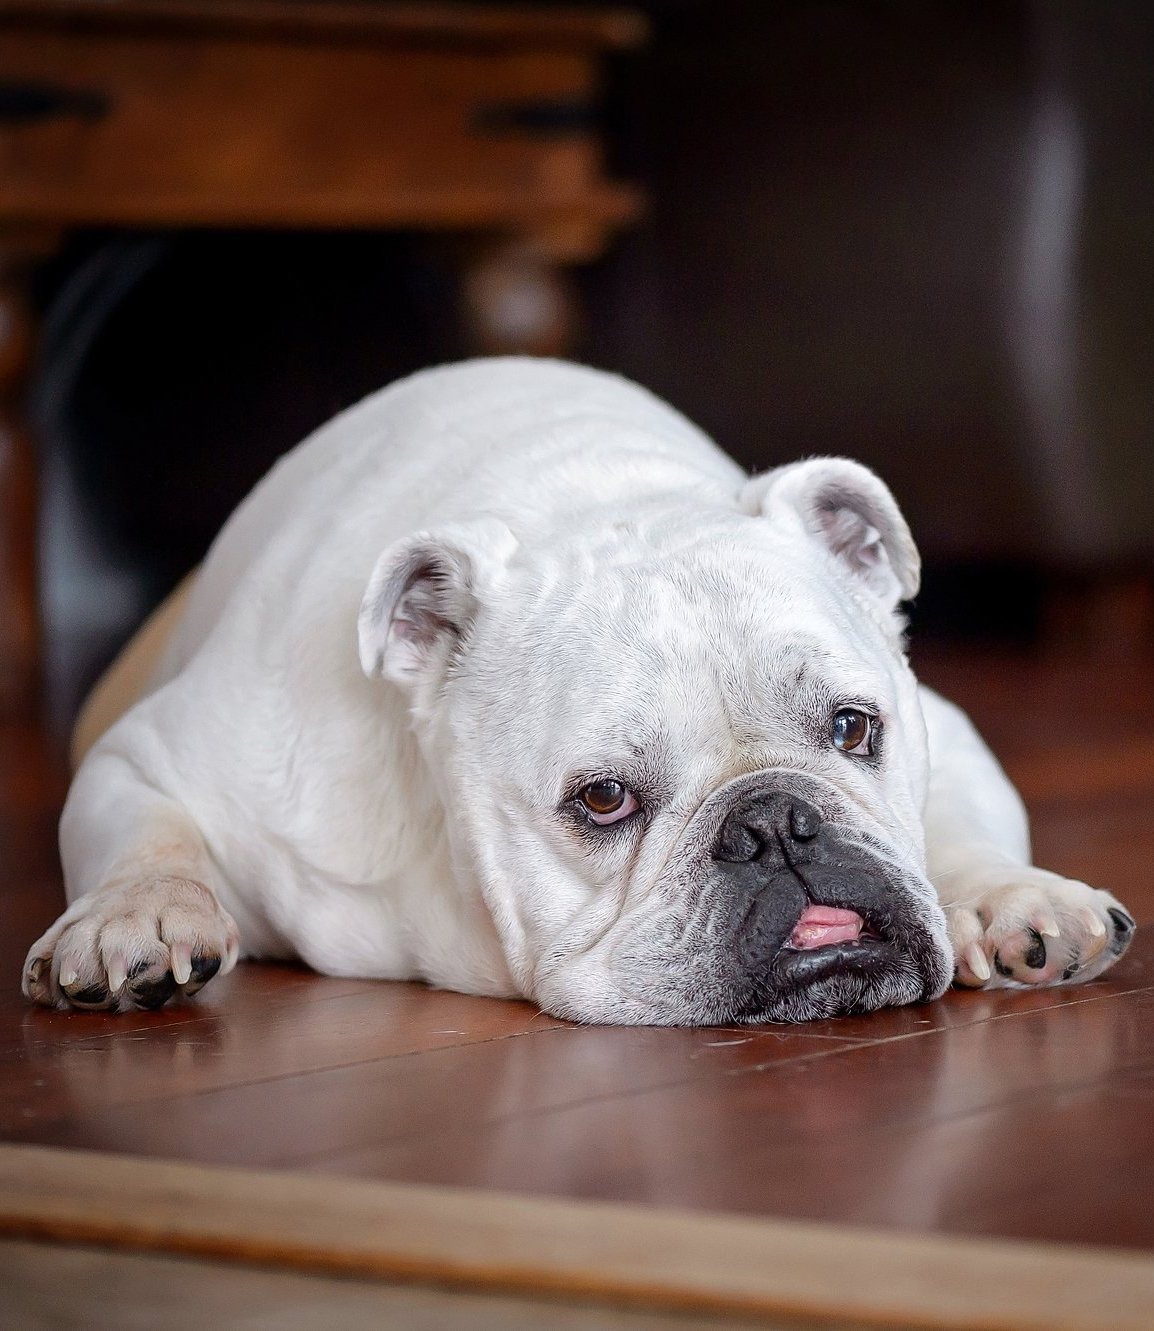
[
  {"x": 834, "y": 941},
  {"x": 825, "y": 926}
]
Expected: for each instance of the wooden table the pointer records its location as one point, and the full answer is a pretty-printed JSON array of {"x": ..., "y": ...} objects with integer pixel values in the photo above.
[{"x": 475, "y": 122}]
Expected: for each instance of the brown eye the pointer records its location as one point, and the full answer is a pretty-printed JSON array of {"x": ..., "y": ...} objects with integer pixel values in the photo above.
[
  {"x": 607, "y": 802},
  {"x": 853, "y": 731}
]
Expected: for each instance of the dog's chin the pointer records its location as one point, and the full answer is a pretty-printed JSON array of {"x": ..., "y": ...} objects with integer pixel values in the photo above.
[{"x": 842, "y": 979}]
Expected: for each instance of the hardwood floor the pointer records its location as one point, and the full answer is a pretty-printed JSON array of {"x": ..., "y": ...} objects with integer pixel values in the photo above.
[{"x": 1010, "y": 1114}]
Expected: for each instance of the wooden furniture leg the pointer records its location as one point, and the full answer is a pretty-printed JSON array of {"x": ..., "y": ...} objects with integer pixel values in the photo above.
[
  {"x": 514, "y": 300},
  {"x": 516, "y": 296},
  {"x": 19, "y": 617}
]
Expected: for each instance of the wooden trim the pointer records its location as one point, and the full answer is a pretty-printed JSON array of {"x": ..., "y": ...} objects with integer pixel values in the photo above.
[
  {"x": 512, "y": 25},
  {"x": 607, "y": 1253},
  {"x": 56, "y": 1285}
]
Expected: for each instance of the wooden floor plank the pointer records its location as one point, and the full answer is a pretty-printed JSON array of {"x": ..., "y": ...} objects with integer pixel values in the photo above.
[
  {"x": 290, "y": 1030},
  {"x": 326, "y": 1110},
  {"x": 963, "y": 1132}
]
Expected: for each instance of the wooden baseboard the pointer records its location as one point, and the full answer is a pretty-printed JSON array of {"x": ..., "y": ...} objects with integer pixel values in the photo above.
[{"x": 594, "y": 1252}]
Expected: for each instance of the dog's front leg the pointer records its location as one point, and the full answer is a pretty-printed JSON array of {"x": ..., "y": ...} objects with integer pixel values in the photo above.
[
  {"x": 144, "y": 922},
  {"x": 1010, "y": 923}
]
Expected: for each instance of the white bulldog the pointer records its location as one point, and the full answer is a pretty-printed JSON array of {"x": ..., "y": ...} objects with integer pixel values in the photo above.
[{"x": 507, "y": 679}]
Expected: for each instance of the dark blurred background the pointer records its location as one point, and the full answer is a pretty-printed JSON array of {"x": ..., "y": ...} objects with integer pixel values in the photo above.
[{"x": 915, "y": 234}]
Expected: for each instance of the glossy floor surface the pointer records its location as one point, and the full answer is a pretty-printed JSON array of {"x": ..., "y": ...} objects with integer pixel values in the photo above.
[{"x": 1013, "y": 1113}]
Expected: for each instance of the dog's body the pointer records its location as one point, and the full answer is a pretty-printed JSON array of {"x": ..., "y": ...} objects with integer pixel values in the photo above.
[{"x": 576, "y": 601}]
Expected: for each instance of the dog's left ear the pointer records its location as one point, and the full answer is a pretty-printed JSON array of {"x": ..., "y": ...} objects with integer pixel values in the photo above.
[
  {"x": 424, "y": 596},
  {"x": 845, "y": 507}
]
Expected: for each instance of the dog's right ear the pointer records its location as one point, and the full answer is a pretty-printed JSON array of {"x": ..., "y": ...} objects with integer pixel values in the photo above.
[
  {"x": 424, "y": 595},
  {"x": 850, "y": 513}
]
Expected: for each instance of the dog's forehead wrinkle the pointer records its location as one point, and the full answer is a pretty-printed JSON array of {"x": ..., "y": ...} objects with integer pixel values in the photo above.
[
  {"x": 671, "y": 615},
  {"x": 690, "y": 691}
]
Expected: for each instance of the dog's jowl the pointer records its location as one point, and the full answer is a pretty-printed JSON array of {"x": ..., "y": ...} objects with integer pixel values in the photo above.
[{"x": 509, "y": 680}]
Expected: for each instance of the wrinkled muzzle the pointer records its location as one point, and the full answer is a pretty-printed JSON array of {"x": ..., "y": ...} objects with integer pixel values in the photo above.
[{"x": 817, "y": 918}]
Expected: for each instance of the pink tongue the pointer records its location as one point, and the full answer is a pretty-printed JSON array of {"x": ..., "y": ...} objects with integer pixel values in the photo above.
[{"x": 820, "y": 925}]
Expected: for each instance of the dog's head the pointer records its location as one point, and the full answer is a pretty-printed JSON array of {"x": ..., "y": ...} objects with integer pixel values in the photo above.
[{"x": 681, "y": 756}]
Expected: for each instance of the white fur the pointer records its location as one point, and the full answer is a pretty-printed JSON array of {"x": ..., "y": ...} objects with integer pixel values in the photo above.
[{"x": 452, "y": 596}]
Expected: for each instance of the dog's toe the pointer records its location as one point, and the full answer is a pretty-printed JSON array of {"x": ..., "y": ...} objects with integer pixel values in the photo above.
[{"x": 37, "y": 979}]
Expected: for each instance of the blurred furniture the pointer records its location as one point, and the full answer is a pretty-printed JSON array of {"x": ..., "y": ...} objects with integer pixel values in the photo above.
[{"x": 475, "y": 122}]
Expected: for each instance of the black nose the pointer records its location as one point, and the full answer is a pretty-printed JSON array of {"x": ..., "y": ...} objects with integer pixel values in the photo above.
[{"x": 764, "y": 819}]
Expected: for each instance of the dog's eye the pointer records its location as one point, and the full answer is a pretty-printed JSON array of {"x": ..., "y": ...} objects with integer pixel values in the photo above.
[
  {"x": 607, "y": 802},
  {"x": 853, "y": 732}
]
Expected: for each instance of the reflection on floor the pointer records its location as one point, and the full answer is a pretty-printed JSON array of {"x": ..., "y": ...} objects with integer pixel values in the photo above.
[{"x": 1027, "y": 1114}]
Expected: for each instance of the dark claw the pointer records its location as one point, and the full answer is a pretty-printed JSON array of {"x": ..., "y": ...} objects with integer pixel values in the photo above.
[
  {"x": 1073, "y": 967},
  {"x": 1035, "y": 956},
  {"x": 1122, "y": 922},
  {"x": 1124, "y": 927},
  {"x": 203, "y": 969},
  {"x": 1006, "y": 972},
  {"x": 153, "y": 993},
  {"x": 92, "y": 995}
]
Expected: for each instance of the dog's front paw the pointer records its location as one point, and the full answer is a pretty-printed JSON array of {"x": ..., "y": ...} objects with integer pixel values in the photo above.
[
  {"x": 1035, "y": 927},
  {"x": 132, "y": 944}
]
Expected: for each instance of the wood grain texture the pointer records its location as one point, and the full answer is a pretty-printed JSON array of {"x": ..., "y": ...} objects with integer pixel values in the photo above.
[
  {"x": 228, "y": 132},
  {"x": 629, "y": 1255}
]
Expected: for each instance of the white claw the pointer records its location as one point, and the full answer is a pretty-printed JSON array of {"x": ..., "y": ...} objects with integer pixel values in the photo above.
[
  {"x": 976, "y": 960},
  {"x": 1097, "y": 928},
  {"x": 232, "y": 952},
  {"x": 181, "y": 962},
  {"x": 1095, "y": 944},
  {"x": 117, "y": 972},
  {"x": 68, "y": 977},
  {"x": 1046, "y": 924}
]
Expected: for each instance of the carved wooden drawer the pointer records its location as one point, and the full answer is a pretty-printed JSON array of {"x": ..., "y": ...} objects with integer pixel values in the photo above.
[{"x": 140, "y": 124}]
